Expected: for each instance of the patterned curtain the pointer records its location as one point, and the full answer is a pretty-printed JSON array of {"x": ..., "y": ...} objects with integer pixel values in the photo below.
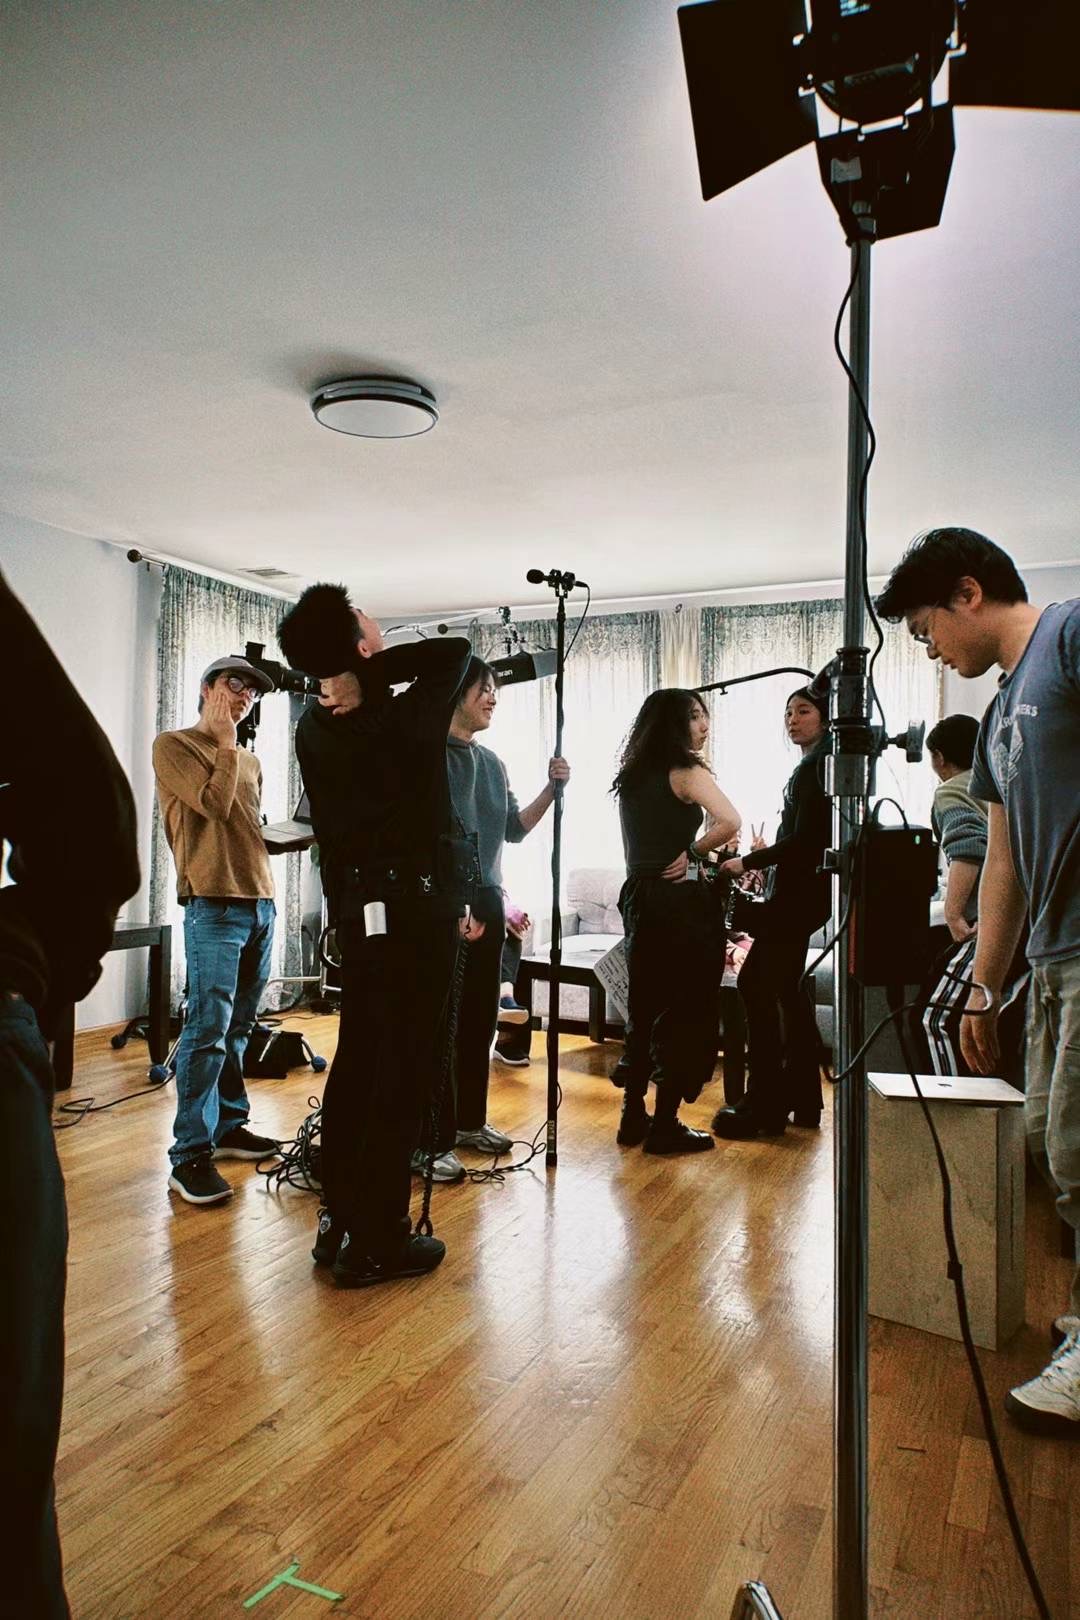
[
  {"x": 680, "y": 646},
  {"x": 749, "y": 751},
  {"x": 613, "y": 665},
  {"x": 203, "y": 619}
]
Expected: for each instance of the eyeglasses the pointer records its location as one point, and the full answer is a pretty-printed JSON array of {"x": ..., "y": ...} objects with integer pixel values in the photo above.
[
  {"x": 925, "y": 636},
  {"x": 237, "y": 684}
]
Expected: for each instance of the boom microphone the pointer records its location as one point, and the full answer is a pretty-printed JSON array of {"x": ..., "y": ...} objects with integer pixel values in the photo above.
[{"x": 556, "y": 579}]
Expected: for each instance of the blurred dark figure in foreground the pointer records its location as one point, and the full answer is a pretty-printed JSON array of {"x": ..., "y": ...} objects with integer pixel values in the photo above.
[{"x": 57, "y": 772}]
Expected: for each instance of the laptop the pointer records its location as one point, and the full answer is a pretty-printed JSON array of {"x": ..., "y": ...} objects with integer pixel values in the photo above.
[
  {"x": 947, "y": 1088},
  {"x": 281, "y": 837}
]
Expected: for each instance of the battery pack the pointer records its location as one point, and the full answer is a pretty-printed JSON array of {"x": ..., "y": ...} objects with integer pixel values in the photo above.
[{"x": 895, "y": 878}]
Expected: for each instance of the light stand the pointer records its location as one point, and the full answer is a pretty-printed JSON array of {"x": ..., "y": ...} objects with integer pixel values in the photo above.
[
  {"x": 755, "y": 70},
  {"x": 848, "y": 773},
  {"x": 848, "y": 780},
  {"x": 562, "y": 584}
]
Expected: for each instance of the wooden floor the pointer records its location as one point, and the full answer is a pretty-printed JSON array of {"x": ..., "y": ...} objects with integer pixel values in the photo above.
[{"x": 612, "y": 1400}]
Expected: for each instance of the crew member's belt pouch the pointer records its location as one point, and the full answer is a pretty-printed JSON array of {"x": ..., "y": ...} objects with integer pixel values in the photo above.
[
  {"x": 444, "y": 892},
  {"x": 359, "y": 904},
  {"x": 457, "y": 872}
]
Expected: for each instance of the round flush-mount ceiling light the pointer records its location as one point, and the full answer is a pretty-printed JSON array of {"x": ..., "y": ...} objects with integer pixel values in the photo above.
[{"x": 376, "y": 407}]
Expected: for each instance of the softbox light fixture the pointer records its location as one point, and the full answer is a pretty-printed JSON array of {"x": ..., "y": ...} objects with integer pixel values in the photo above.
[{"x": 754, "y": 69}]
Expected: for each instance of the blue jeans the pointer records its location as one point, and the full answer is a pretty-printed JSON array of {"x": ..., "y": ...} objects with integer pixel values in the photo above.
[
  {"x": 33, "y": 1256},
  {"x": 1052, "y": 1095},
  {"x": 228, "y": 963}
]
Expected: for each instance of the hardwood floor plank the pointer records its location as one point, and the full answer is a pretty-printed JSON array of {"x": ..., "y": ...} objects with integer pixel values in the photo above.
[
  {"x": 972, "y": 1485},
  {"x": 613, "y": 1398}
]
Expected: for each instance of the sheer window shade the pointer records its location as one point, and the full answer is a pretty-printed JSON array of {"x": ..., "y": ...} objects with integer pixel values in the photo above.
[
  {"x": 747, "y": 745},
  {"x": 614, "y": 664}
]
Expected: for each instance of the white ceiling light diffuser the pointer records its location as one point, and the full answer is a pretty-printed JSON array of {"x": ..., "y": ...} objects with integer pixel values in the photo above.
[{"x": 376, "y": 407}]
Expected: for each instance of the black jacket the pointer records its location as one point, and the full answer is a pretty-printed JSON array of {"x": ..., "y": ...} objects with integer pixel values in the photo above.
[
  {"x": 67, "y": 811},
  {"x": 376, "y": 777},
  {"x": 804, "y": 834}
]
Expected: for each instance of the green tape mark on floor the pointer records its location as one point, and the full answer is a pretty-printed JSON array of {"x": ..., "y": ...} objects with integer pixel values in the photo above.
[{"x": 288, "y": 1578}]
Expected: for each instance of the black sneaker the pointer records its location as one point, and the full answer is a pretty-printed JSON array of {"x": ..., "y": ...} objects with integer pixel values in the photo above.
[
  {"x": 676, "y": 1138},
  {"x": 353, "y": 1269},
  {"x": 327, "y": 1239},
  {"x": 198, "y": 1182},
  {"x": 240, "y": 1143},
  {"x": 513, "y": 1060}
]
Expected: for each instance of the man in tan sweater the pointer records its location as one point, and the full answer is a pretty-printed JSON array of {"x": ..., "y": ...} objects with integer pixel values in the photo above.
[{"x": 209, "y": 792}]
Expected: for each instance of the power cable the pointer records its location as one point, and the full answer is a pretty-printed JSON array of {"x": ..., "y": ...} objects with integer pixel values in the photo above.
[
  {"x": 955, "y": 1269},
  {"x": 299, "y": 1163},
  {"x": 81, "y": 1106},
  {"x": 581, "y": 621},
  {"x": 864, "y": 482},
  {"x": 955, "y": 1273}
]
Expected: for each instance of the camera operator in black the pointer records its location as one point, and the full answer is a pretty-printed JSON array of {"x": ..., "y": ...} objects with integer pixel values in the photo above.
[
  {"x": 674, "y": 921},
  {"x": 783, "y": 1040},
  {"x": 374, "y": 766}
]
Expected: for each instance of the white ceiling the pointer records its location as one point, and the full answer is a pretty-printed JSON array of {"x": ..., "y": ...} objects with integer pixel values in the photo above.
[{"x": 211, "y": 207}]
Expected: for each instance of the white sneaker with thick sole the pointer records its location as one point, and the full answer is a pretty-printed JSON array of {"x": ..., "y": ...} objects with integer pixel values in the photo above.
[
  {"x": 486, "y": 1140},
  {"x": 512, "y": 1012},
  {"x": 447, "y": 1167},
  {"x": 1061, "y": 1327},
  {"x": 1050, "y": 1402}
]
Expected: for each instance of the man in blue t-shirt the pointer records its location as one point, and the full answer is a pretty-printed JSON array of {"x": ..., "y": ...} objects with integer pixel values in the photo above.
[
  {"x": 484, "y": 803},
  {"x": 962, "y": 598}
]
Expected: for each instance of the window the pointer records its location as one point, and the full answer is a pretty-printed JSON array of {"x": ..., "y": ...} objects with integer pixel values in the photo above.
[
  {"x": 749, "y": 751},
  {"x": 614, "y": 664}
]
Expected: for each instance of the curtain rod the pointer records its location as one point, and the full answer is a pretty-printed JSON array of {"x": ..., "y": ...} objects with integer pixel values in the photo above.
[
  {"x": 755, "y": 595},
  {"x": 162, "y": 560},
  {"x": 534, "y": 610}
]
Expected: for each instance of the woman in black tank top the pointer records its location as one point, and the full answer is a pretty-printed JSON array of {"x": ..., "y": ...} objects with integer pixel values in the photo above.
[{"x": 674, "y": 925}]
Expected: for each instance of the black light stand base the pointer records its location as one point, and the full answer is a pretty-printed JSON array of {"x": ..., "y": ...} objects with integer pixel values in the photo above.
[{"x": 752, "y": 1602}]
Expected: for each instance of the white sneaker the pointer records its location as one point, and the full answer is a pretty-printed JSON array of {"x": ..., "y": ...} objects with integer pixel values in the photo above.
[
  {"x": 1061, "y": 1327},
  {"x": 521, "y": 1062},
  {"x": 1050, "y": 1402},
  {"x": 512, "y": 1012},
  {"x": 447, "y": 1167},
  {"x": 486, "y": 1140}
]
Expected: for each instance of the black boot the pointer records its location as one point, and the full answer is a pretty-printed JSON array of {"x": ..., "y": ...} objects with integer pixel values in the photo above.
[
  {"x": 740, "y": 1125},
  {"x": 675, "y": 1137},
  {"x": 667, "y": 1133},
  {"x": 634, "y": 1121}
]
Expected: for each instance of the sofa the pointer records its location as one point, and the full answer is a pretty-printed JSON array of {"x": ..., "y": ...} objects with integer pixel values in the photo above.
[{"x": 591, "y": 924}]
